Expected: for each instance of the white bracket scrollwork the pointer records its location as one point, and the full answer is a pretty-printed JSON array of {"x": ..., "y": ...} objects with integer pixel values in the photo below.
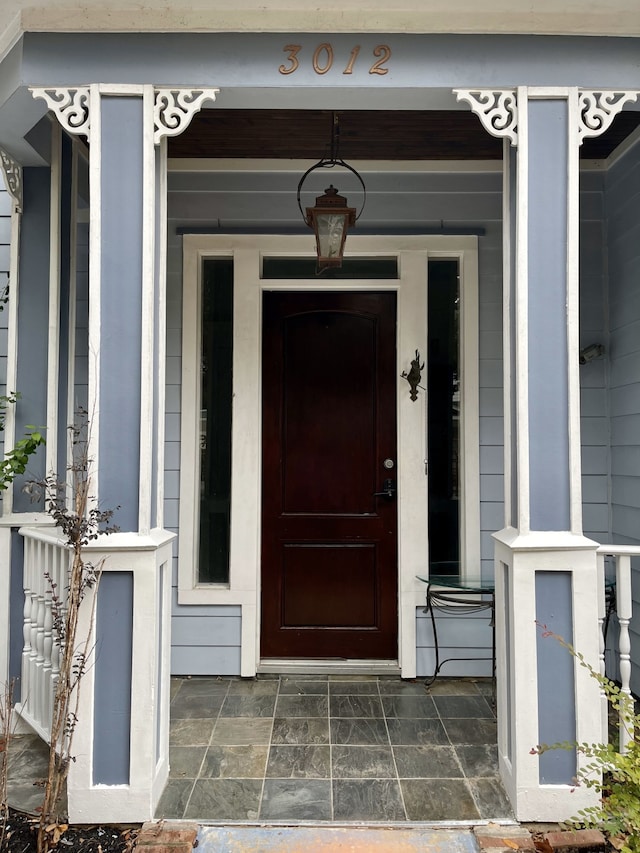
[
  {"x": 71, "y": 107},
  {"x": 174, "y": 109},
  {"x": 496, "y": 108},
  {"x": 597, "y": 110},
  {"x": 12, "y": 173}
]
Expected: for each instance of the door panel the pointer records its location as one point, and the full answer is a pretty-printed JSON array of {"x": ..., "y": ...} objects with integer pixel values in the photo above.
[
  {"x": 329, "y": 381},
  {"x": 324, "y": 568},
  {"x": 329, "y": 570}
]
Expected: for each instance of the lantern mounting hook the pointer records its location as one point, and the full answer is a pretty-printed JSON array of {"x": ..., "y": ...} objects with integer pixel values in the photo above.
[{"x": 329, "y": 163}]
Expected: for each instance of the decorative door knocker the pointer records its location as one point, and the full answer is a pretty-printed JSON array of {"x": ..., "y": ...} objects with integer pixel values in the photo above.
[{"x": 414, "y": 376}]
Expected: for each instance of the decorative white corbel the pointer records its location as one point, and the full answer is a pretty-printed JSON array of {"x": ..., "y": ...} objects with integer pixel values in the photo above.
[
  {"x": 598, "y": 108},
  {"x": 71, "y": 107},
  {"x": 12, "y": 173},
  {"x": 496, "y": 108},
  {"x": 174, "y": 109}
]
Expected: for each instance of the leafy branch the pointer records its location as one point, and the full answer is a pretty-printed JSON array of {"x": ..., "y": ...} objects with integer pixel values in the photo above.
[{"x": 16, "y": 460}]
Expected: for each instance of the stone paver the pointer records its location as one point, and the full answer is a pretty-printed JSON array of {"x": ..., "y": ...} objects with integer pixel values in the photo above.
[
  {"x": 390, "y": 839},
  {"x": 493, "y": 837}
]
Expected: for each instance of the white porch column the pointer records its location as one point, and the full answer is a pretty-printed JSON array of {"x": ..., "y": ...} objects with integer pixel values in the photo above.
[
  {"x": 121, "y": 740},
  {"x": 545, "y": 568},
  {"x": 12, "y": 174}
]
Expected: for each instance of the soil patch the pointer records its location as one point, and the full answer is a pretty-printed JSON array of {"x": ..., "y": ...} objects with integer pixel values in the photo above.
[{"x": 20, "y": 837}]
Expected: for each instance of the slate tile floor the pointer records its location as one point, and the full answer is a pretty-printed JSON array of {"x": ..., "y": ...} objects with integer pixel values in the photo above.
[{"x": 332, "y": 748}]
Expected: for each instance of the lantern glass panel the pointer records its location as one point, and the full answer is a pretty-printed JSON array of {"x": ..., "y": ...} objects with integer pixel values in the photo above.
[{"x": 330, "y": 229}]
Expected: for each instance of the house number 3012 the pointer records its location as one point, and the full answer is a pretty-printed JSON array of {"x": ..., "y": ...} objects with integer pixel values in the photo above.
[{"x": 323, "y": 59}]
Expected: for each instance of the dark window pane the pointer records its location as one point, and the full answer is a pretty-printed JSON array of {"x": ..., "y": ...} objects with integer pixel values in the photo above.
[
  {"x": 385, "y": 268},
  {"x": 443, "y": 421},
  {"x": 215, "y": 420}
]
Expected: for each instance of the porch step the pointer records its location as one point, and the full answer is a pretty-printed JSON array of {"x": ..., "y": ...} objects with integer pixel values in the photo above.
[{"x": 331, "y": 839}]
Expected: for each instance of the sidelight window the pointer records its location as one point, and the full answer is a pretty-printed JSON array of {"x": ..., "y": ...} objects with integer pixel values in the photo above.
[
  {"x": 443, "y": 419},
  {"x": 216, "y": 369}
]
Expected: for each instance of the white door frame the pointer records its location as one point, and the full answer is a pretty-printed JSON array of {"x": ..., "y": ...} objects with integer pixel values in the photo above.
[{"x": 247, "y": 251}]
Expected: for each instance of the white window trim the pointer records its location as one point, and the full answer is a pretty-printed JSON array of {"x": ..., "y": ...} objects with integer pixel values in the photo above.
[{"x": 413, "y": 253}]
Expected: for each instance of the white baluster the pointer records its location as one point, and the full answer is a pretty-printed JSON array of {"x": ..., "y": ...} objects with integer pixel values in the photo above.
[
  {"x": 624, "y": 605},
  {"x": 42, "y": 646},
  {"x": 60, "y": 575},
  {"x": 26, "y": 628},
  {"x": 47, "y": 641},
  {"x": 40, "y": 691},
  {"x": 33, "y": 634},
  {"x": 604, "y": 705}
]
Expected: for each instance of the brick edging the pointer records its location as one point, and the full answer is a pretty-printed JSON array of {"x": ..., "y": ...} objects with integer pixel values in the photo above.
[
  {"x": 505, "y": 839},
  {"x": 162, "y": 837}
]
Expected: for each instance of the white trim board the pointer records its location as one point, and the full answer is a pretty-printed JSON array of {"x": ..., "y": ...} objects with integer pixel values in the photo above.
[{"x": 413, "y": 253}]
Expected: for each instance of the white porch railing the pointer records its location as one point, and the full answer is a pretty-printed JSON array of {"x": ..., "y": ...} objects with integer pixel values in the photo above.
[
  {"x": 622, "y": 555},
  {"x": 141, "y": 566},
  {"x": 46, "y": 569}
]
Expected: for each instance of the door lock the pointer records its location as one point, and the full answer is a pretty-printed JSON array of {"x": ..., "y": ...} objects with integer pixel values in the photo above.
[{"x": 388, "y": 489}]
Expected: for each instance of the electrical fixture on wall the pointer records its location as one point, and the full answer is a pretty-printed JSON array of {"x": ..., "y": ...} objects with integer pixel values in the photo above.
[
  {"x": 331, "y": 217},
  {"x": 589, "y": 353}
]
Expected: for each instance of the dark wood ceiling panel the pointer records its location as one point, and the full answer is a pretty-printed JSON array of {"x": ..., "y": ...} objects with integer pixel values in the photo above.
[
  {"x": 364, "y": 135},
  {"x": 600, "y": 147}
]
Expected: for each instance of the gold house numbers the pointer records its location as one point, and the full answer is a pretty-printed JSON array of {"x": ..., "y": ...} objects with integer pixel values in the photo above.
[{"x": 323, "y": 59}]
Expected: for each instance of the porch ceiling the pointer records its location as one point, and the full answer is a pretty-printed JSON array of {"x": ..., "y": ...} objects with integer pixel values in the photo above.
[{"x": 364, "y": 135}]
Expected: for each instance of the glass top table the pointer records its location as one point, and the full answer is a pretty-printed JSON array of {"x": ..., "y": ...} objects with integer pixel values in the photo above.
[
  {"x": 458, "y": 595},
  {"x": 471, "y": 583},
  {"x": 448, "y": 573}
]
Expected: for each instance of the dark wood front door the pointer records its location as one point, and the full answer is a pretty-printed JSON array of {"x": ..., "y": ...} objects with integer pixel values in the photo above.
[{"x": 329, "y": 543}]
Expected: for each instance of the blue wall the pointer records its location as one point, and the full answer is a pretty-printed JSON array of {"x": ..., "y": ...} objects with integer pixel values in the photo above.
[{"x": 623, "y": 235}]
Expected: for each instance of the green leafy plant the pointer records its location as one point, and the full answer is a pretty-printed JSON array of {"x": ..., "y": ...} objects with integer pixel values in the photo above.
[
  {"x": 16, "y": 460},
  {"x": 614, "y": 774}
]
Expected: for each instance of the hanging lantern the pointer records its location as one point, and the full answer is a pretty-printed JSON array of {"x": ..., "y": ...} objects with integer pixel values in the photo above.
[
  {"x": 331, "y": 217},
  {"x": 330, "y": 220}
]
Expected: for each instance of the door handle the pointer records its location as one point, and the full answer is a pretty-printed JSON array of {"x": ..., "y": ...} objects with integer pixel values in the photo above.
[{"x": 388, "y": 489}]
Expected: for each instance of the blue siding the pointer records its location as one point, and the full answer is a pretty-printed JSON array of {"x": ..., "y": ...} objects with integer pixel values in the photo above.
[
  {"x": 462, "y": 636},
  {"x": 33, "y": 320},
  {"x": 593, "y": 394}
]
